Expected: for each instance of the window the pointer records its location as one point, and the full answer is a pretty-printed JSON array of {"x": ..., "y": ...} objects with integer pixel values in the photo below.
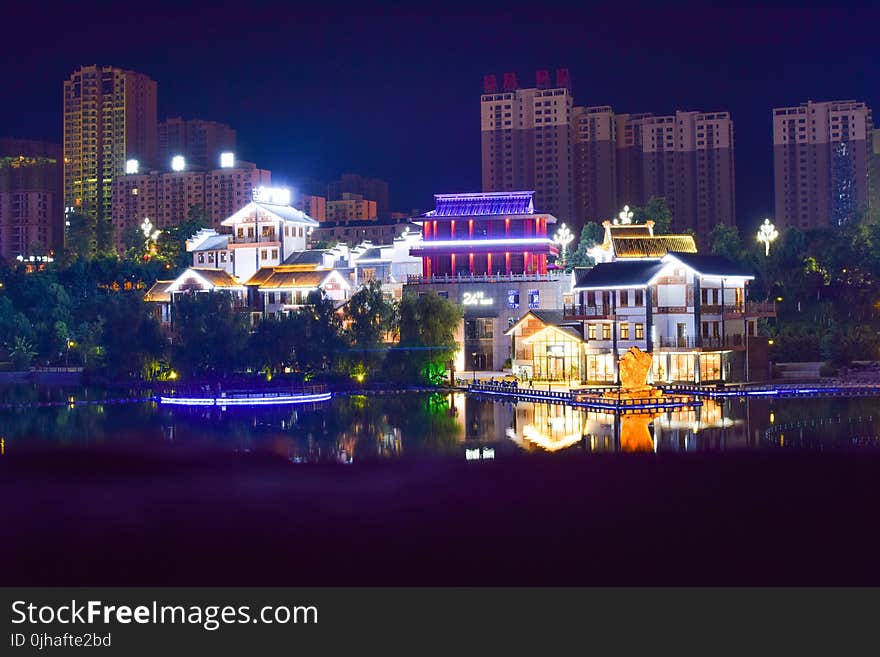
[
  {"x": 264, "y": 254},
  {"x": 606, "y": 331},
  {"x": 534, "y": 300},
  {"x": 704, "y": 296},
  {"x": 640, "y": 298},
  {"x": 513, "y": 298},
  {"x": 640, "y": 331},
  {"x": 240, "y": 232},
  {"x": 223, "y": 256},
  {"x": 591, "y": 331},
  {"x": 624, "y": 331},
  {"x": 624, "y": 297},
  {"x": 201, "y": 258}
]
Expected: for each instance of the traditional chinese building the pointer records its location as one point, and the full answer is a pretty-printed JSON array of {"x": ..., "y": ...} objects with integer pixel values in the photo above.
[
  {"x": 688, "y": 310},
  {"x": 488, "y": 252}
]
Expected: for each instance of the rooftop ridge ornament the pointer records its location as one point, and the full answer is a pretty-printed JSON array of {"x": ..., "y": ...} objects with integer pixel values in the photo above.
[
  {"x": 625, "y": 216},
  {"x": 767, "y": 233}
]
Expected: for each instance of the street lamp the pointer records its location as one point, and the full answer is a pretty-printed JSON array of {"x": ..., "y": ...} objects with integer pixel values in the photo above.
[
  {"x": 474, "y": 363},
  {"x": 625, "y": 216},
  {"x": 767, "y": 233},
  {"x": 563, "y": 238}
]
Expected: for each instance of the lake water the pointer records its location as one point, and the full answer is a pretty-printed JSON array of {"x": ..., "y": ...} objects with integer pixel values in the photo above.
[{"x": 353, "y": 429}]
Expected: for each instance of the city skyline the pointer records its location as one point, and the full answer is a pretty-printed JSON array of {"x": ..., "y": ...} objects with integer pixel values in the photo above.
[{"x": 295, "y": 118}]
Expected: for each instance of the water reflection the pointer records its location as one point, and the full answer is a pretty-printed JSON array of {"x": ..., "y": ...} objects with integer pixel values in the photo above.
[{"x": 358, "y": 428}]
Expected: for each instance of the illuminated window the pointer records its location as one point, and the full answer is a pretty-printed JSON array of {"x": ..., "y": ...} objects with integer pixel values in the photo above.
[
  {"x": 606, "y": 331},
  {"x": 513, "y": 298},
  {"x": 624, "y": 331},
  {"x": 591, "y": 332},
  {"x": 640, "y": 331},
  {"x": 534, "y": 300}
]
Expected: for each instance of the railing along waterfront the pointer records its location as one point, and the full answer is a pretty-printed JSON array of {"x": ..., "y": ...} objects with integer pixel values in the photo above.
[
  {"x": 416, "y": 279},
  {"x": 805, "y": 390},
  {"x": 603, "y": 398}
]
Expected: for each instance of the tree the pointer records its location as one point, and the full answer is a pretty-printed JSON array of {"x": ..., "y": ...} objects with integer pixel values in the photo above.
[
  {"x": 591, "y": 234},
  {"x": 725, "y": 241},
  {"x": 133, "y": 244},
  {"x": 211, "y": 336},
  {"x": 81, "y": 241},
  {"x": 427, "y": 337},
  {"x": 371, "y": 317},
  {"x": 171, "y": 243},
  {"x": 657, "y": 211},
  {"x": 131, "y": 336},
  {"x": 370, "y": 314}
]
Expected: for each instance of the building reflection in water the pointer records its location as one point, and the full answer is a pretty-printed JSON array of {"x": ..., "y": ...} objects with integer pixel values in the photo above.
[{"x": 555, "y": 427}]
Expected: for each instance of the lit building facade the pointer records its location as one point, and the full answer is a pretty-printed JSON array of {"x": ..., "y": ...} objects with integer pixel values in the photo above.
[
  {"x": 351, "y": 207},
  {"x": 584, "y": 162},
  {"x": 488, "y": 252},
  {"x": 821, "y": 162},
  {"x": 527, "y": 138},
  {"x": 264, "y": 233},
  {"x": 688, "y": 310},
  {"x": 31, "y": 210},
  {"x": 109, "y": 118},
  {"x": 686, "y": 158},
  {"x": 261, "y": 257},
  {"x": 165, "y": 197}
]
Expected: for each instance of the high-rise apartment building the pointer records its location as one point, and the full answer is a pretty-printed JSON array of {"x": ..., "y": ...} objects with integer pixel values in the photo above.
[
  {"x": 31, "y": 214},
  {"x": 200, "y": 142},
  {"x": 595, "y": 175},
  {"x": 109, "y": 118},
  {"x": 527, "y": 141},
  {"x": 165, "y": 198},
  {"x": 584, "y": 163},
  {"x": 821, "y": 158},
  {"x": 686, "y": 158}
]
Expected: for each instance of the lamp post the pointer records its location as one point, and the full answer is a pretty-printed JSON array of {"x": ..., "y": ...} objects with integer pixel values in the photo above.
[
  {"x": 474, "y": 364},
  {"x": 767, "y": 233},
  {"x": 625, "y": 216},
  {"x": 563, "y": 238}
]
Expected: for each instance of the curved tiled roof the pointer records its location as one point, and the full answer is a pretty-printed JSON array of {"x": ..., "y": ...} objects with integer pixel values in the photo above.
[
  {"x": 621, "y": 273},
  {"x": 652, "y": 247},
  {"x": 482, "y": 204}
]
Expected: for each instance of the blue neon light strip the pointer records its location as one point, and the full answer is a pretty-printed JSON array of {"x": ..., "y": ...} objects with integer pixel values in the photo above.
[{"x": 246, "y": 401}]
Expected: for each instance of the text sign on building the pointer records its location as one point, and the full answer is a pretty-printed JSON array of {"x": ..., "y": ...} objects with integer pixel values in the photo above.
[{"x": 475, "y": 299}]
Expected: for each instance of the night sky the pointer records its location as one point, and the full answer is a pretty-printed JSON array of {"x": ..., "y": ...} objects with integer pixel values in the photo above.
[{"x": 393, "y": 90}]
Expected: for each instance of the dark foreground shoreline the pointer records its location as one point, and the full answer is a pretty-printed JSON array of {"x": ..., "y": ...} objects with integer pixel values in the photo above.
[{"x": 169, "y": 516}]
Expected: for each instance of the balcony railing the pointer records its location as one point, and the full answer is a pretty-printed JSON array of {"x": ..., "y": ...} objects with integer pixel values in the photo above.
[
  {"x": 417, "y": 279},
  {"x": 582, "y": 310},
  {"x": 708, "y": 342}
]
